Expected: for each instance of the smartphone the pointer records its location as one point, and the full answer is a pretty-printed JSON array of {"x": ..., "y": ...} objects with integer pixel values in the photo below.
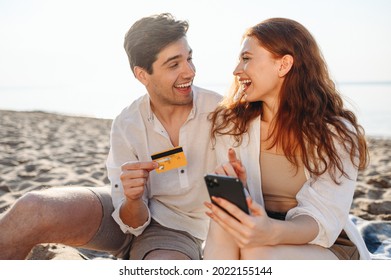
[{"x": 227, "y": 187}]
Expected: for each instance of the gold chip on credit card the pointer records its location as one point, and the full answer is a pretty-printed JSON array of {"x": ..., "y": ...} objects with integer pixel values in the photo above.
[{"x": 169, "y": 159}]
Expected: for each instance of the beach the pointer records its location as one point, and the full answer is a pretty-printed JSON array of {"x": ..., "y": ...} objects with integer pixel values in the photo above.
[{"x": 40, "y": 150}]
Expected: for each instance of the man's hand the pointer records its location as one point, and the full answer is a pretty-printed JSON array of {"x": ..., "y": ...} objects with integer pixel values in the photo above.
[{"x": 134, "y": 177}]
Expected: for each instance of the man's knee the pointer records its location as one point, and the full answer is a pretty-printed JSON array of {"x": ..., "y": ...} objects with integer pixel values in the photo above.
[
  {"x": 30, "y": 202},
  {"x": 25, "y": 216},
  {"x": 56, "y": 205}
]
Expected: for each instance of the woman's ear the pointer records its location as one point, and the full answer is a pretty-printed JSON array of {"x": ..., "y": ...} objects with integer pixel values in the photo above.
[
  {"x": 141, "y": 74},
  {"x": 286, "y": 65}
]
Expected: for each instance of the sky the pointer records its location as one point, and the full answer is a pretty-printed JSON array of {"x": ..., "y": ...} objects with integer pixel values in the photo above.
[{"x": 68, "y": 55}]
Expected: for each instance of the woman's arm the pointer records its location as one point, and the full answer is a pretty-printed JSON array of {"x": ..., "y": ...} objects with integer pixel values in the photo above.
[{"x": 327, "y": 202}]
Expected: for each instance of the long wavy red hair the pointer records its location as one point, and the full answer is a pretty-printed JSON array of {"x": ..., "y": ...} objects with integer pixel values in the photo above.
[{"x": 311, "y": 113}]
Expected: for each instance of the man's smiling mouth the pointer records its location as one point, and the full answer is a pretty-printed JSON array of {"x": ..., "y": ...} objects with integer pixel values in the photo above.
[{"x": 186, "y": 85}]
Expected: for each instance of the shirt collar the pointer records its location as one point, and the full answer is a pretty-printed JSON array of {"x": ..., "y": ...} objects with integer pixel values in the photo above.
[{"x": 149, "y": 109}]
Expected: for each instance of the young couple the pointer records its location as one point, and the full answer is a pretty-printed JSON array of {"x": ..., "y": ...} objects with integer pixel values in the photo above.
[{"x": 282, "y": 130}]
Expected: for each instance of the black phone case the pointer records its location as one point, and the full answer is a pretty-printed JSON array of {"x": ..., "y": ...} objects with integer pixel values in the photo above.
[{"x": 229, "y": 188}]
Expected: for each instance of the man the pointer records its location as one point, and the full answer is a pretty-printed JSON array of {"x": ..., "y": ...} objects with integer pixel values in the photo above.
[{"x": 158, "y": 204}]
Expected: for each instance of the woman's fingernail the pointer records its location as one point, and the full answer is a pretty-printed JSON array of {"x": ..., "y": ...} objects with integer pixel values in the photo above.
[
  {"x": 207, "y": 204},
  {"x": 209, "y": 214}
]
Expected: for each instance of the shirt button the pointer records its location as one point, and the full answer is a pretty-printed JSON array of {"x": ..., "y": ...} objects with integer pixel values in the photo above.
[{"x": 182, "y": 171}]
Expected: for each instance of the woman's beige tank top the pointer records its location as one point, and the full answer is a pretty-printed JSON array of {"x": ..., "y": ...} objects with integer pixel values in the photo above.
[{"x": 280, "y": 181}]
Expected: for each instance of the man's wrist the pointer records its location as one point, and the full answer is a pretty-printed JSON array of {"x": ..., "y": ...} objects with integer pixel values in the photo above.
[
  {"x": 134, "y": 213},
  {"x": 133, "y": 205}
]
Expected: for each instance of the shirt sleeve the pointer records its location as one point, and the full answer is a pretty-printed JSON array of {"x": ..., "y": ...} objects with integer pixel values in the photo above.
[
  {"x": 328, "y": 202},
  {"x": 127, "y": 229},
  {"x": 120, "y": 152}
]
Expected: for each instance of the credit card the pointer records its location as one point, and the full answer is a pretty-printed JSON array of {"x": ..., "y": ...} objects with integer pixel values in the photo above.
[{"x": 169, "y": 159}]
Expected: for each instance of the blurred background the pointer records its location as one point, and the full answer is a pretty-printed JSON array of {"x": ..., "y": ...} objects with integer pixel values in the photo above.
[{"x": 67, "y": 57}]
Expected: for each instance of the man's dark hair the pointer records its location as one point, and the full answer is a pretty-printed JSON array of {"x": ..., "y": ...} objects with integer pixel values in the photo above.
[{"x": 149, "y": 35}]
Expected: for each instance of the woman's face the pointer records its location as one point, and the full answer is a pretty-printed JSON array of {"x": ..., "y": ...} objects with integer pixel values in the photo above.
[{"x": 258, "y": 72}]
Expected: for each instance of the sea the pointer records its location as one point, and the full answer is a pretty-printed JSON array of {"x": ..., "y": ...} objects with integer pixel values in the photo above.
[{"x": 371, "y": 102}]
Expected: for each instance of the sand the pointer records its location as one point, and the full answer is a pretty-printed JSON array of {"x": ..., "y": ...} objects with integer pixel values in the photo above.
[{"x": 40, "y": 150}]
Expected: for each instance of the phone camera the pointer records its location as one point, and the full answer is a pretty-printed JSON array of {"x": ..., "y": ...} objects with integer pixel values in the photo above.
[{"x": 214, "y": 183}]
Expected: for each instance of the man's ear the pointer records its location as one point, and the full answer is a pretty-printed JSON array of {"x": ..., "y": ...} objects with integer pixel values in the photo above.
[
  {"x": 286, "y": 64},
  {"x": 141, "y": 74}
]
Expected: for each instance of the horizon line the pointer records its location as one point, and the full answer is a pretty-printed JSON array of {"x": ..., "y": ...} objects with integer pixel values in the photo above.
[
  {"x": 363, "y": 83},
  {"x": 29, "y": 87}
]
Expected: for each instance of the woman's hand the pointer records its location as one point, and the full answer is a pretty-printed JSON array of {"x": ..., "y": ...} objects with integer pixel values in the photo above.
[
  {"x": 247, "y": 230},
  {"x": 233, "y": 167}
]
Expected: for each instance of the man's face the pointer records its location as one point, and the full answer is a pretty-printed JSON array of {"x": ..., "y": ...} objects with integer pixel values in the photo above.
[{"x": 172, "y": 77}]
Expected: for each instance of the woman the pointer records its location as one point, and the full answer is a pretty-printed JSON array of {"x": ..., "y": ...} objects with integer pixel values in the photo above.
[{"x": 299, "y": 150}]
